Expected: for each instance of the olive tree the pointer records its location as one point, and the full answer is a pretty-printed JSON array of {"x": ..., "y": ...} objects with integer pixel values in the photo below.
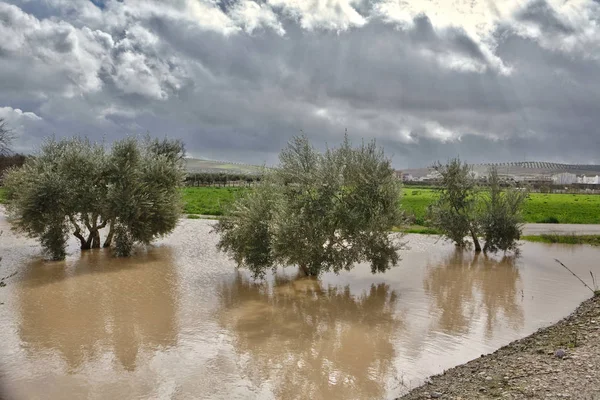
[
  {"x": 455, "y": 210},
  {"x": 143, "y": 200},
  {"x": 320, "y": 211},
  {"x": 500, "y": 214},
  {"x": 464, "y": 209},
  {"x": 75, "y": 186}
]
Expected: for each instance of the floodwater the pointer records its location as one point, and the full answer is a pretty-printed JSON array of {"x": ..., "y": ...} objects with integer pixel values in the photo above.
[{"x": 178, "y": 321}]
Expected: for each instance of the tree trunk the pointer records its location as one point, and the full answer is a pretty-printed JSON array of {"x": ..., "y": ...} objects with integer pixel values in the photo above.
[
  {"x": 109, "y": 237},
  {"x": 305, "y": 269},
  {"x": 475, "y": 242},
  {"x": 95, "y": 239},
  {"x": 84, "y": 243}
]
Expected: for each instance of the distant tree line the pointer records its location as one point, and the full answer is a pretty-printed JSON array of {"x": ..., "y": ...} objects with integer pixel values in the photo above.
[{"x": 220, "y": 179}]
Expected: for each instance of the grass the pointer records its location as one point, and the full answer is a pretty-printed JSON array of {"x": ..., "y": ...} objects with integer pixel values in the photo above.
[
  {"x": 565, "y": 239},
  {"x": 423, "y": 230},
  {"x": 564, "y": 208},
  {"x": 209, "y": 200},
  {"x": 539, "y": 208},
  {"x": 2, "y": 196}
]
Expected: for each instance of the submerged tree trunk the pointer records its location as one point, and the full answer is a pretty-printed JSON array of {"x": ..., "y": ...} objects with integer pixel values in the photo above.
[
  {"x": 95, "y": 239},
  {"x": 109, "y": 237},
  {"x": 305, "y": 269},
  {"x": 85, "y": 244},
  {"x": 475, "y": 241}
]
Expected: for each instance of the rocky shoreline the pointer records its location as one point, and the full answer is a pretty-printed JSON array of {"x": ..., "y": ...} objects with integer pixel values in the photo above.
[{"x": 560, "y": 361}]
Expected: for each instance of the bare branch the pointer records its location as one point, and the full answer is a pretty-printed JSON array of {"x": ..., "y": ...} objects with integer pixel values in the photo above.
[
  {"x": 6, "y": 138},
  {"x": 575, "y": 275}
]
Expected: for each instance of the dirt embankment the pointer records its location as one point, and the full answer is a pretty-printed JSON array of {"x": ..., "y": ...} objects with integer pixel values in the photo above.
[{"x": 560, "y": 361}]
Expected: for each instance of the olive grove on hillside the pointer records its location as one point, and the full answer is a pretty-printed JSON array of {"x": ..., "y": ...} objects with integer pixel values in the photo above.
[
  {"x": 320, "y": 211},
  {"x": 73, "y": 186}
]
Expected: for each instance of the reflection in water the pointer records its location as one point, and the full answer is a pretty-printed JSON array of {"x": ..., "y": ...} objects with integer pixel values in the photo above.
[
  {"x": 311, "y": 341},
  {"x": 465, "y": 284},
  {"x": 99, "y": 305},
  {"x": 179, "y": 322}
]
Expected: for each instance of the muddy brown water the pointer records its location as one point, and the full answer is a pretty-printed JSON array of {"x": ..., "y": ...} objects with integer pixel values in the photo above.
[{"x": 178, "y": 321}]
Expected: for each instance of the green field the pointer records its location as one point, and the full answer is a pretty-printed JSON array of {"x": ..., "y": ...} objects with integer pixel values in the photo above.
[
  {"x": 540, "y": 208},
  {"x": 209, "y": 200},
  {"x": 565, "y": 239},
  {"x": 564, "y": 208}
]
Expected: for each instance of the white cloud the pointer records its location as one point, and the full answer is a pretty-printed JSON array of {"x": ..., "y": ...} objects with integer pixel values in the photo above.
[
  {"x": 251, "y": 16},
  {"x": 322, "y": 14},
  {"x": 16, "y": 116}
]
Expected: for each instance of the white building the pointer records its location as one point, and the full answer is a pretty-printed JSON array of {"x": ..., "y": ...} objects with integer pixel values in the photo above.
[
  {"x": 431, "y": 176},
  {"x": 565, "y": 178},
  {"x": 589, "y": 180}
]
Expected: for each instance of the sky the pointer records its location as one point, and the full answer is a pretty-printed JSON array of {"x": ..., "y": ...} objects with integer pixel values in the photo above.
[{"x": 489, "y": 81}]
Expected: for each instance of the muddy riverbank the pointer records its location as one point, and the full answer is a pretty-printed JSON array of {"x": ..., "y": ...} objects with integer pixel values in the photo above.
[{"x": 560, "y": 361}]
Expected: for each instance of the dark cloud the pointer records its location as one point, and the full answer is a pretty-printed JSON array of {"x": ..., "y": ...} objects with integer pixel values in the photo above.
[
  {"x": 239, "y": 84},
  {"x": 541, "y": 13}
]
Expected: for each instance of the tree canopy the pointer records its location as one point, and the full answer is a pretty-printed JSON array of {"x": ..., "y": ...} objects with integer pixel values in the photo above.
[
  {"x": 76, "y": 186},
  {"x": 465, "y": 209},
  {"x": 320, "y": 211}
]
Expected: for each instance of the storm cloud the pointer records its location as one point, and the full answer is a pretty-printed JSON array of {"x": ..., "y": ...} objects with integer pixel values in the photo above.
[{"x": 236, "y": 79}]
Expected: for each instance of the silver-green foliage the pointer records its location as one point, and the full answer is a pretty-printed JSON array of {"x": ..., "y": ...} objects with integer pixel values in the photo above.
[
  {"x": 500, "y": 214},
  {"x": 75, "y": 186},
  {"x": 322, "y": 212},
  {"x": 455, "y": 211},
  {"x": 465, "y": 209}
]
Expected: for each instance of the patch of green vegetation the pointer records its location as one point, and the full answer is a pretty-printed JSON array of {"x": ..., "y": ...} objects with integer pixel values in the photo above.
[
  {"x": 415, "y": 203},
  {"x": 565, "y": 239},
  {"x": 209, "y": 200},
  {"x": 194, "y": 216},
  {"x": 423, "y": 230},
  {"x": 2, "y": 196},
  {"x": 539, "y": 207},
  {"x": 563, "y": 208}
]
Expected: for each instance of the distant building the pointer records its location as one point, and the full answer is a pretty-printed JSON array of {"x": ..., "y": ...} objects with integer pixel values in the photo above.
[
  {"x": 565, "y": 178},
  {"x": 431, "y": 176},
  {"x": 589, "y": 180}
]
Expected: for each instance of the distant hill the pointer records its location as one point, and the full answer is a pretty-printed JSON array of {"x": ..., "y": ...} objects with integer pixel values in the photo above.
[
  {"x": 528, "y": 168},
  {"x": 540, "y": 168},
  {"x": 199, "y": 165}
]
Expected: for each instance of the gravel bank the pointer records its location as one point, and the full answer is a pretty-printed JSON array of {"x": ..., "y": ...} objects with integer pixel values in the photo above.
[{"x": 560, "y": 361}]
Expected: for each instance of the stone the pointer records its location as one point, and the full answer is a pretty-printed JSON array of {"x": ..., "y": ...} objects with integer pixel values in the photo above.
[
  {"x": 560, "y": 353},
  {"x": 435, "y": 395}
]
